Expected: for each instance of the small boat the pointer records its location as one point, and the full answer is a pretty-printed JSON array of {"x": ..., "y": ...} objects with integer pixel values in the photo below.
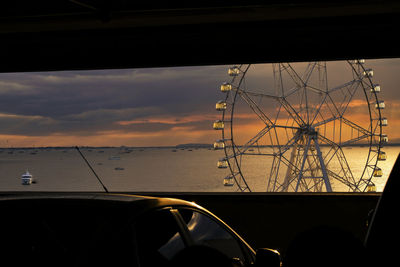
[
  {"x": 27, "y": 178},
  {"x": 114, "y": 158},
  {"x": 119, "y": 169}
]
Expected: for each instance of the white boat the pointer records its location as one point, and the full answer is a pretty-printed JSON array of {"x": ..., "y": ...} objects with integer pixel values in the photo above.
[{"x": 27, "y": 178}]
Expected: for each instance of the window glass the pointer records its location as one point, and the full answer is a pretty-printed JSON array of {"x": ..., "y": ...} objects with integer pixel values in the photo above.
[
  {"x": 206, "y": 231},
  {"x": 158, "y": 238}
]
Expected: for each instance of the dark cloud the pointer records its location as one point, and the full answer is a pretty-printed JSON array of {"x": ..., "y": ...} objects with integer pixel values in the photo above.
[
  {"x": 97, "y": 122},
  {"x": 91, "y": 101},
  {"x": 65, "y": 93}
]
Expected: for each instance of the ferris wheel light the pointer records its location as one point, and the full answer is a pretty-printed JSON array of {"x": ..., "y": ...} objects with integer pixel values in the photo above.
[
  {"x": 219, "y": 144},
  {"x": 378, "y": 172},
  {"x": 371, "y": 187},
  {"x": 384, "y": 122},
  {"x": 382, "y": 156},
  {"x": 226, "y": 87},
  {"x": 233, "y": 71},
  {"x": 218, "y": 125},
  {"x": 220, "y": 106},
  {"x": 358, "y": 61},
  {"x": 380, "y": 105},
  {"x": 222, "y": 164},
  {"x": 376, "y": 88},
  {"x": 384, "y": 138},
  {"x": 228, "y": 181},
  {"x": 368, "y": 73}
]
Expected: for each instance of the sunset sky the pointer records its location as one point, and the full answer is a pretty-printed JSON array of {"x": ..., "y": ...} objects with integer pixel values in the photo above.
[{"x": 137, "y": 107}]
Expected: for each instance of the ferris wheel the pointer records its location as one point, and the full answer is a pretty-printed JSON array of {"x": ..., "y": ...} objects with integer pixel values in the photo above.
[{"x": 288, "y": 127}]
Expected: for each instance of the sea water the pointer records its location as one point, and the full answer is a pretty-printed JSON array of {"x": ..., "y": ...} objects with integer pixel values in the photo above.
[{"x": 145, "y": 169}]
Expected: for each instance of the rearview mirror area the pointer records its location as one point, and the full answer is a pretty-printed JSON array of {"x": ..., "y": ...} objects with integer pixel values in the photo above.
[{"x": 268, "y": 257}]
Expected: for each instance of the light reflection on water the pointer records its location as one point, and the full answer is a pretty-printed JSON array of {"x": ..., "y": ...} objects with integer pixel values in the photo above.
[
  {"x": 153, "y": 169},
  {"x": 255, "y": 168}
]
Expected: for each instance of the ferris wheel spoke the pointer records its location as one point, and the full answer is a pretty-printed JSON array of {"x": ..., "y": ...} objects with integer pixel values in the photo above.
[
  {"x": 356, "y": 126},
  {"x": 316, "y": 90},
  {"x": 345, "y": 104},
  {"x": 307, "y": 74},
  {"x": 362, "y": 132},
  {"x": 354, "y": 140},
  {"x": 341, "y": 159},
  {"x": 345, "y": 85},
  {"x": 307, "y": 107},
  {"x": 293, "y": 75},
  {"x": 273, "y": 182},
  {"x": 291, "y": 92},
  {"x": 335, "y": 112},
  {"x": 255, "y": 139},
  {"x": 319, "y": 108},
  {"x": 335, "y": 115},
  {"x": 341, "y": 179},
  {"x": 255, "y": 108},
  {"x": 287, "y": 127},
  {"x": 291, "y": 174},
  {"x": 320, "y": 123},
  {"x": 322, "y": 166},
  {"x": 291, "y": 111},
  {"x": 255, "y": 93},
  {"x": 318, "y": 111},
  {"x": 303, "y": 162},
  {"x": 344, "y": 175},
  {"x": 284, "y": 148},
  {"x": 327, "y": 141}
]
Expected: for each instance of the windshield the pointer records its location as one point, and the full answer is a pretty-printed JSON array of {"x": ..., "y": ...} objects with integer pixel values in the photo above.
[{"x": 263, "y": 127}]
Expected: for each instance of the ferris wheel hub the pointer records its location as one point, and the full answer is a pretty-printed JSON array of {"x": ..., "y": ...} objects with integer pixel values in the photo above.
[{"x": 308, "y": 130}]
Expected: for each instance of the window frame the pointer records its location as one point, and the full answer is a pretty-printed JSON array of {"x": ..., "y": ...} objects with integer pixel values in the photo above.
[
  {"x": 247, "y": 251},
  {"x": 174, "y": 214},
  {"x": 183, "y": 230}
]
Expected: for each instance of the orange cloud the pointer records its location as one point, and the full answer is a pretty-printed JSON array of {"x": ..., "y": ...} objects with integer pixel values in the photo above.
[
  {"x": 357, "y": 103},
  {"x": 171, "y": 120}
]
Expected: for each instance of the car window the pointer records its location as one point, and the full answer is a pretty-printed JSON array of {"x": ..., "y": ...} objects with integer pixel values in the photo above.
[
  {"x": 158, "y": 238},
  {"x": 206, "y": 231}
]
